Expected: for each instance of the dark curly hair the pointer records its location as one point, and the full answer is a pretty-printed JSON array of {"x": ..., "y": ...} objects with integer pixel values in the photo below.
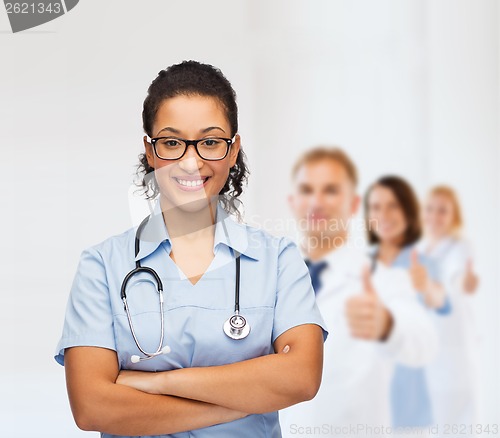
[{"x": 193, "y": 78}]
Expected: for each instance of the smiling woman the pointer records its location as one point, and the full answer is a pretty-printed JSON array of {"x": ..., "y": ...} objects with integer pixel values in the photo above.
[
  {"x": 202, "y": 170},
  {"x": 211, "y": 383},
  {"x": 203, "y": 83}
]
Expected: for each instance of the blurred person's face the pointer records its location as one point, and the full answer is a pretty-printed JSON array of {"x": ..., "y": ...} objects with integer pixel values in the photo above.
[
  {"x": 190, "y": 181},
  {"x": 385, "y": 215},
  {"x": 323, "y": 198},
  {"x": 438, "y": 215}
]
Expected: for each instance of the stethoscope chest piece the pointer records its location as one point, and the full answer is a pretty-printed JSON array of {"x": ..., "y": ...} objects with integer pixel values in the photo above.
[{"x": 236, "y": 327}]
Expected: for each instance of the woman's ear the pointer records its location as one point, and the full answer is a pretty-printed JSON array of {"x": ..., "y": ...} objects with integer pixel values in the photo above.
[
  {"x": 235, "y": 149},
  {"x": 149, "y": 152}
]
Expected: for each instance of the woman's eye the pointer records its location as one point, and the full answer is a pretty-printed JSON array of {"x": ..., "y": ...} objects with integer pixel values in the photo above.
[
  {"x": 211, "y": 142},
  {"x": 169, "y": 142}
]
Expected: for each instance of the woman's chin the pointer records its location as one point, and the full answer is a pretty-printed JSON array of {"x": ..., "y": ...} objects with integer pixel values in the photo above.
[
  {"x": 389, "y": 237},
  {"x": 189, "y": 202},
  {"x": 438, "y": 233}
]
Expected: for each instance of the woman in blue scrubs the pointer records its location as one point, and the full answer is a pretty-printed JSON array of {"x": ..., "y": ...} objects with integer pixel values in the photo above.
[
  {"x": 209, "y": 385},
  {"x": 392, "y": 214}
]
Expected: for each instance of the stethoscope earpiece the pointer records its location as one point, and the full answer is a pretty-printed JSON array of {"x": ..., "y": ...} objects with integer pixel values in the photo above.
[{"x": 135, "y": 358}]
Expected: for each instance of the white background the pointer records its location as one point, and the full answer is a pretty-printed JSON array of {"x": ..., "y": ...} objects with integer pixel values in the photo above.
[{"x": 406, "y": 87}]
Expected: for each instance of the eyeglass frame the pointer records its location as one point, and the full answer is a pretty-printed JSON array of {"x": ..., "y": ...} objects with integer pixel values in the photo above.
[{"x": 229, "y": 142}]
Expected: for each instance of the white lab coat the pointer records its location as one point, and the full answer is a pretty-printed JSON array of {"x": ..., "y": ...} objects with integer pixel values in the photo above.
[
  {"x": 452, "y": 376},
  {"x": 357, "y": 373}
]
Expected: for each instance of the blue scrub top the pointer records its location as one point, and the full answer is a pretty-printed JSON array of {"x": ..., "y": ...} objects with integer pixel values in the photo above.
[
  {"x": 410, "y": 399},
  {"x": 275, "y": 295}
]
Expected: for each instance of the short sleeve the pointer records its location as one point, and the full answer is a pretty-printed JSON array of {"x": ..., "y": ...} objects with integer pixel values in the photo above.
[
  {"x": 89, "y": 319},
  {"x": 295, "y": 298}
]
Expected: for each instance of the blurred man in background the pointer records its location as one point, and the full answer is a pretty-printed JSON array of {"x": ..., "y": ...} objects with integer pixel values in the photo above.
[{"x": 374, "y": 318}]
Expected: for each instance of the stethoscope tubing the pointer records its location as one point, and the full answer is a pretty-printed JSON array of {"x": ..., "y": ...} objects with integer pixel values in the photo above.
[{"x": 230, "y": 329}]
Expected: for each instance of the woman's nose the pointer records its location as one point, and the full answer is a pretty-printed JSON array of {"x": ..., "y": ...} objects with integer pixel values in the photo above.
[{"x": 191, "y": 162}]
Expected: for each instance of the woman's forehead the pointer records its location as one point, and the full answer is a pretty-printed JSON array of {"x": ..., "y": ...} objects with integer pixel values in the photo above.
[
  {"x": 191, "y": 115},
  {"x": 381, "y": 192}
]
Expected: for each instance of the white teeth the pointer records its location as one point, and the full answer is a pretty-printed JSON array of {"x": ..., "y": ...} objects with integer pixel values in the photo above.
[{"x": 194, "y": 183}]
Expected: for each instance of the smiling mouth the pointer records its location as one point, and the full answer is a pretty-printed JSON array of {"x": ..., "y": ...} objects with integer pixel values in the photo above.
[
  {"x": 191, "y": 183},
  {"x": 386, "y": 227}
]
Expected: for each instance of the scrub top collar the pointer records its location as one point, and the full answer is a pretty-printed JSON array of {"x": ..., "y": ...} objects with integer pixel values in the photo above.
[
  {"x": 227, "y": 232},
  {"x": 402, "y": 259}
]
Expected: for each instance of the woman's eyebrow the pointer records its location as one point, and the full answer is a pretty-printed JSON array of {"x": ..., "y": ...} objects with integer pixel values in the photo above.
[
  {"x": 204, "y": 131},
  {"x": 168, "y": 128}
]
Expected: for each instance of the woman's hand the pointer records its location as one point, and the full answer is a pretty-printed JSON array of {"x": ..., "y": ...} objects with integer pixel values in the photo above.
[
  {"x": 151, "y": 382},
  {"x": 144, "y": 381},
  {"x": 270, "y": 382},
  {"x": 434, "y": 296},
  {"x": 101, "y": 397},
  {"x": 433, "y": 293},
  {"x": 418, "y": 273},
  {"x": 470, "y": 279}
]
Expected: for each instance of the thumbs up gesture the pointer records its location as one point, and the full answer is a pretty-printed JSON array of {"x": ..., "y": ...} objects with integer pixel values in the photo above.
[
  {"x": 366, "y": 315},
  {"x": 418, "y": 273},
  {"x": 433, "y": 293},
  {"x": 470, "y": 280}
]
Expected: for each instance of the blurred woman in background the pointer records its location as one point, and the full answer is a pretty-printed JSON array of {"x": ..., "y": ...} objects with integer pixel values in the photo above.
[
  {"x": 393, "y": 224},
  {"x": 452, "y": 377}
]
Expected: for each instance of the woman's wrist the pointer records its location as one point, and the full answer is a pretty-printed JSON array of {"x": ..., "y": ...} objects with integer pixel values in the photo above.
[
  {"x": 434, "y": 296},
  {"x": 230, "y": 414},
  {"x": 161, "y": 382}
]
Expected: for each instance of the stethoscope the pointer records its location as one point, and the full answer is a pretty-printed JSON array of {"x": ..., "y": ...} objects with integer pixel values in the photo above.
[{"x": 236, "y": 326}]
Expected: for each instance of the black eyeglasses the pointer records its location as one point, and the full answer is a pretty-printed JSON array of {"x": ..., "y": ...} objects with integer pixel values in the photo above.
[{"x": 210, "y": 148}]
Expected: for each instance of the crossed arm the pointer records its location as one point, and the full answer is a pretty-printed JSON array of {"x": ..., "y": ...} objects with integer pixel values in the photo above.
[{"x": 132, "y": 402}]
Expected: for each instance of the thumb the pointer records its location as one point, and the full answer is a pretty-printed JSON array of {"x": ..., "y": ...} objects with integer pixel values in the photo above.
[
  {"x": 414, "y": 258},
  {"x": 366, "y": 278}
]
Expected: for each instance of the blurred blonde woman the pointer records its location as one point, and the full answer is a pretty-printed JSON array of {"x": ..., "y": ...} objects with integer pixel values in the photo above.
[{"x": 452, "y": 377}]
